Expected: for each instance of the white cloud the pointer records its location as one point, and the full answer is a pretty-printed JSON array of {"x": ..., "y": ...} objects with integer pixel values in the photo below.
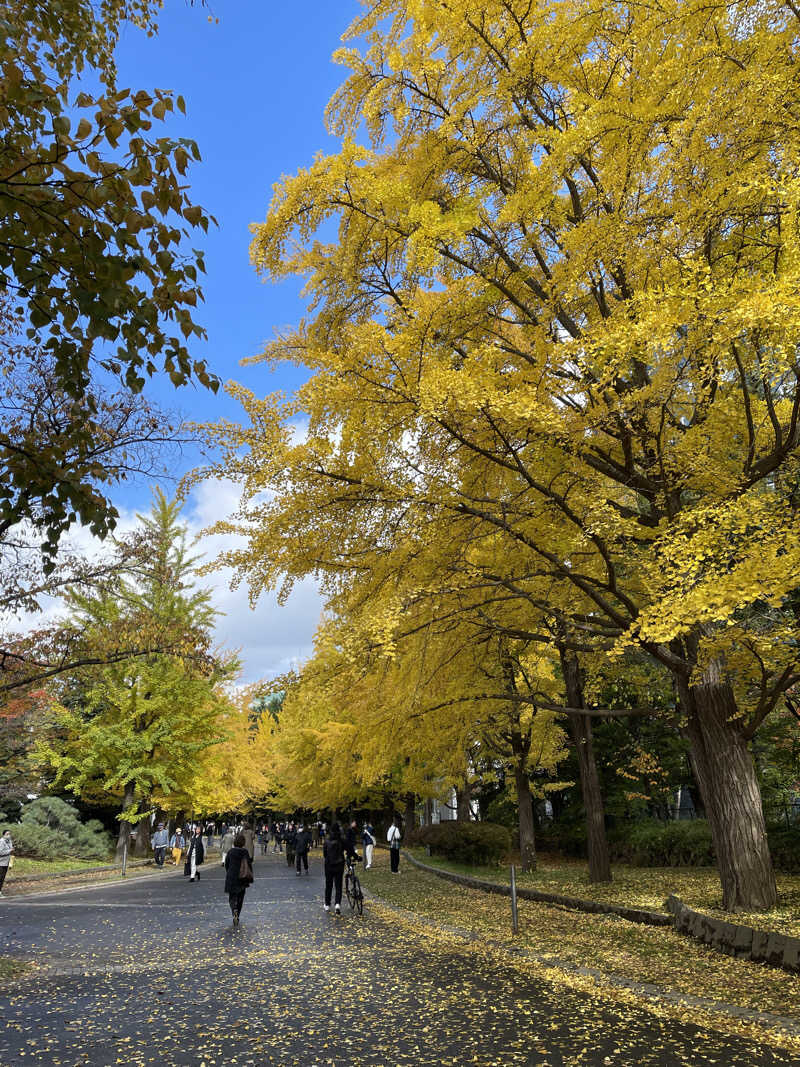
[{"x": 270, "y": 638}]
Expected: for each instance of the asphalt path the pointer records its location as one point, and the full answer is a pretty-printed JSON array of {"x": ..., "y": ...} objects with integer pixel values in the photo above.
[{"x": 152, "y": 972}]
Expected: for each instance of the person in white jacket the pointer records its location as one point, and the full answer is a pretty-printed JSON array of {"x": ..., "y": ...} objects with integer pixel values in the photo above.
[
  {"x": 6, "y": 848},
  {"x": 393, "y": 837}
]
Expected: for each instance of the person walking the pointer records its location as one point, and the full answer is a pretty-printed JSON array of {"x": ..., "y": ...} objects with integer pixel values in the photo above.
[
  {"x": 159, "y": 843},
  {"x": 6, "y": 852},
  {"x": 333, "y": 851},
  {"x": 368, "y": 841},
  {"x": 177, "y": 844},
  {"x": 238, "y": 875},
  {"x": 195, "y": 855},
  {"x": 393, "y": 836},
  {"x": 209, "y": 834},
  {"x": 302, "y": 845},
  {"x": 249, "y": 841},
  {"x": 291, "y": 840},
  {"x": 315, "y": 835},
  {"x": 225, "y": 845},
  {"x": 350, "y": 835}
]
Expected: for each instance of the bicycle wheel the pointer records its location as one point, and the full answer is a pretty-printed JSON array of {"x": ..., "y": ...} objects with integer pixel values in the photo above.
[
  {"x": 349, "y": 891},
  {"x": 358, "y": 895}
]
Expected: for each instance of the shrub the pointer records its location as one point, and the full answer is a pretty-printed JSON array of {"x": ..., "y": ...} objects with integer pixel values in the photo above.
[
  {"x": 784, "y": 844},
  {"x": 473, "y": 843},
  {"x": 673, "y": 844},
  {"x": 49, "y": 828}
]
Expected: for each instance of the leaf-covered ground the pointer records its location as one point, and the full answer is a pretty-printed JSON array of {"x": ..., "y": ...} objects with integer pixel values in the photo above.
[
  {"x": 643, "y": 887},
  {"x": 152, "y": 973},
  {"x": 645, "y": 954}
]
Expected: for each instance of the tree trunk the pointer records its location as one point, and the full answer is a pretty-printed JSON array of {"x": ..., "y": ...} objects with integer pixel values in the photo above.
[
  {"x": 580, "y": 727},
  {"x": 142, "y": 846},
  {"x": 727, "y": 781},
  {"x": 463, "y": 806},
  {"x": 409, "y": 814},
  {"x": 124, "y": 835},
  {"x": 527, "y": 836},
  {"x": 428, "y": 812}
]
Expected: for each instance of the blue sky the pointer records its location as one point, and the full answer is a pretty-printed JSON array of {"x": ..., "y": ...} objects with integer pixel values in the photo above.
[{"x": 255, "y": 84}]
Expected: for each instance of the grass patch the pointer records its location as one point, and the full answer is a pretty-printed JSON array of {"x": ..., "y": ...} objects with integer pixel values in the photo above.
[
  {"x": 24, "y": 867},
  {"x": 606, "y": 943},
  {"x": 642, "y": 887}
]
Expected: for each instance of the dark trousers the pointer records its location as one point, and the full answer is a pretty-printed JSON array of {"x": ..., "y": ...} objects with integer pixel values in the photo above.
[
  {"x": 289, "y": 854},
  {"x": 304, "y": 857},
  {"x": 237, "y": 899},
  {"x": 333, "y": 878},
  {"x": 4, "y": 872},
  {"x": 394, "y": 858},
  {"x": 159, "y": 854}
]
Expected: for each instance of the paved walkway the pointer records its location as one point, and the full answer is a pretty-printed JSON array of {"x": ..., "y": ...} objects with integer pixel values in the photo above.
[{"x": 152, "y": 972}]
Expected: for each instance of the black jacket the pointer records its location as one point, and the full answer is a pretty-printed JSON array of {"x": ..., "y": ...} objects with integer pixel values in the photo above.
[
  {"x": 233, "y": 862},
  {"x": 196, "y": 843},
  {"x": 303, "y": 841},
  {"x": 350, "y": 841},
  {"x": 333, "y": 851}
]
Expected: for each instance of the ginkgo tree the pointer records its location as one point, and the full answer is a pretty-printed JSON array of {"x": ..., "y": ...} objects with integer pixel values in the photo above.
[
  {"x": 138, "y": 729},
  {"x": 560, "y": 316}
]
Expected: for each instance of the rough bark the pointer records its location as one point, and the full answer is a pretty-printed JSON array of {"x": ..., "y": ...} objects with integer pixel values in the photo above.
[
  {"x": 409, "y": 813},
  {"x": 428, "y": 812},
  {"x": 580, "y": 727},
  {"x": 728, "y": 783},
  {"x": 142, "y": 846},
  {"x": 527, "y": 835},
  {"x": 124, "y": 836},
  {"x": 463, "y": 806}
]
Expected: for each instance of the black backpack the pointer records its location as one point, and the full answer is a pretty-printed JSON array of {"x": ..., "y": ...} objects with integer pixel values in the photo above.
[{"x": 334, "y": 854}]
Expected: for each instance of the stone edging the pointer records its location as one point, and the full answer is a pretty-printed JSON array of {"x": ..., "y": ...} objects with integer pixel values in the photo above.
[
  {"x": 776, "y": 950},
  {"x": 743, "y": 942},
  {"x": 634, "y": 915}
]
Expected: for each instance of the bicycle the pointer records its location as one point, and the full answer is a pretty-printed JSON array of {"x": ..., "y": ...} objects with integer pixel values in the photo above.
[{"x": 352, "y": 887}]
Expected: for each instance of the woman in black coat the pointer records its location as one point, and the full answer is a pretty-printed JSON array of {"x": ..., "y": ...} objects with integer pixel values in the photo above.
[
  {"x": 333, "y": 851},
  {"x": 234, "y": 886}
]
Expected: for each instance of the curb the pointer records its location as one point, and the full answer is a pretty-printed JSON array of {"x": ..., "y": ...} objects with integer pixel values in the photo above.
[
  {"x": 733, "y": 939},
  {"x": 78, "y": 872},
  {"x": 8, "y": 898},
  {"x": 633, "y": 915}
]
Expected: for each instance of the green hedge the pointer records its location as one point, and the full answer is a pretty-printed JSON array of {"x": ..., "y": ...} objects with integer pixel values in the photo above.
[
  {"x": 50, "y": 829},
  {"x": 472, "y": 843},
  {"x": 650, "y": 843},
  {"x": 681, "y": 843},
  {"x": 784, "y": 844}
]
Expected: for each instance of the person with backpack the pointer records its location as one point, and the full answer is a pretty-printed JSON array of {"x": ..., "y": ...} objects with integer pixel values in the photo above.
[
  {"x": 333, "y": 852},
  {"x": 393, "y": 837},
  {"x": 368, "y": 841},
  {"x": 238, "y": 875}
]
